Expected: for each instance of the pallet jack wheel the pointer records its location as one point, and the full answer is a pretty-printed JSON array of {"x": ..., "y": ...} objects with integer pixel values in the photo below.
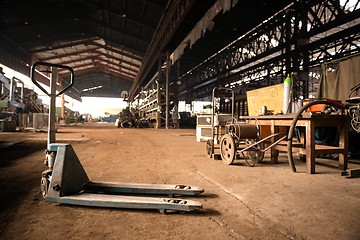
[
  {"x": 227, "y": 149},
  {"x": 44, "y": 186},
  {"x": 210, "y": 147}
]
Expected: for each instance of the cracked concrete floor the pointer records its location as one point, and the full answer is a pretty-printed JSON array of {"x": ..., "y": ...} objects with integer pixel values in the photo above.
[{"x": 264, "y": 202}]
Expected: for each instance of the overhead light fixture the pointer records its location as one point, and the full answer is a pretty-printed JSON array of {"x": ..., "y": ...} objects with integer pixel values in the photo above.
[
  {"x": 90, "y": 89},
  {"x": 123, "y": 13}
]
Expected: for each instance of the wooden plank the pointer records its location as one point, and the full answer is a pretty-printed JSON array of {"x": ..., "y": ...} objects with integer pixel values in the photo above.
[
  {"x": 324, "y": 149},
  {"x": 271, "y": 97},
  {"x": 351, "y": 173}
]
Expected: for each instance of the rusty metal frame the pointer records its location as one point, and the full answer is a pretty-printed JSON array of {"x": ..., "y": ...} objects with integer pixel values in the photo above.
[{"x": 280, "y": 45}]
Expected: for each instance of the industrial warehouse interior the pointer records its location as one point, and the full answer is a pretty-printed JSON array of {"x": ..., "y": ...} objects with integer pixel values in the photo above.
[{"x": 180, "y": 119}]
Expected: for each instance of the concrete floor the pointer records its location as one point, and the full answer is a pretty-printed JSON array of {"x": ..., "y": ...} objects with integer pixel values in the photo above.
[{"x": 264, "y": 202}]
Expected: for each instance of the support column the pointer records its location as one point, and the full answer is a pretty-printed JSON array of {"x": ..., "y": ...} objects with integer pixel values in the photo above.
[
  {"x": 159, "y": 117},
  {"x": 304, "y": 40},
  {"x": 288, "y": 63},
  {"x": 62, "y": 104},
  {"x": 167, "y": 90},
  {"x": 158, "y": 113}
]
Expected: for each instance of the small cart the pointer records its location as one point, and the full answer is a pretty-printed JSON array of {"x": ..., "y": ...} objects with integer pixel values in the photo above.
[{"x": 229, "y": 136}]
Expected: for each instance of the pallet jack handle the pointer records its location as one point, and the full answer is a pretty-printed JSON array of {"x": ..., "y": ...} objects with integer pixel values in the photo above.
[
  {"x": 52, "y": 94},
  {"x": 32, "y": 76}
]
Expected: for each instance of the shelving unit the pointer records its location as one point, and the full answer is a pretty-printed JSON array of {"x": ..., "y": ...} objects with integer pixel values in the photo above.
[{"x": 151, "y": 101}]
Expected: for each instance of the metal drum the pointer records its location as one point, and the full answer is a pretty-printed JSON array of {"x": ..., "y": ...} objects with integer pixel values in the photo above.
[{"x": 244, "y": 131}]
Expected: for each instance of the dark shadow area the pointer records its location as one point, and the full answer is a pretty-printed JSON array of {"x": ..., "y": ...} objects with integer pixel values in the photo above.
[
  {"x": 20, "y": 174},
  {"x": 14, "y": 152}
]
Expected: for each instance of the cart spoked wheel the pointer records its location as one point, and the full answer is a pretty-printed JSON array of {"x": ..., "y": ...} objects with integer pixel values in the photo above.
[
  {"x": 227, "y": 149},
  {"x": 44, "y": 186},
  {"x": 254, "y": 156},
  {"x": 210, "y": 148}
]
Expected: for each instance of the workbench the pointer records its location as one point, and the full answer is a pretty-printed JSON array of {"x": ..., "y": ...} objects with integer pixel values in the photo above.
[{"x": 306, "y": 124}]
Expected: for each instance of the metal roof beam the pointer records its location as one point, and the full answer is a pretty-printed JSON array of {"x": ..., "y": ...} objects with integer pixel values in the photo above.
[
  {"x": 115, "y": 66},
  {"x": 112, "y": 28},
  {"x": 45, "y": 41},
  {"x": 40, "y": 40},
  {"x": 68, "y": 54},
  {"x": 106, "y": 69},
  {"x": 117, "y": 59},
  {"x": 167, "y": 28},
  {"x": 89, "y": 43},
  {"x": 62, "y": 71},
  {"x": 63, "y": 45},
  {"x": 153, "y": 4},
  {"x": 69, "y": 62},
  {"x": 118, "y": 51},
  {"x": 95, "y": 65},
  {"x": 113, "y": 11}
]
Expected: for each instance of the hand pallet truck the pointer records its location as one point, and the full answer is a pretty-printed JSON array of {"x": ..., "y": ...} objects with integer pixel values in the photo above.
[{"x": 66, "y": 182}]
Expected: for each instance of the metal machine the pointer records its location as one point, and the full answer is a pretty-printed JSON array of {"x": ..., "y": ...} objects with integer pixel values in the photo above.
[
  {"x": 66, "y": 182},
  {"x": 244, "y": 139},
  {"x": 234, "y": 138},
  {"x": 354, "y": 108},
  {"x": 218, "y": 123}
]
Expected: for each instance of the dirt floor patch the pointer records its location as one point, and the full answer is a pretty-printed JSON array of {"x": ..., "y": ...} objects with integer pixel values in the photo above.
[{"x": 264, "y": 202}]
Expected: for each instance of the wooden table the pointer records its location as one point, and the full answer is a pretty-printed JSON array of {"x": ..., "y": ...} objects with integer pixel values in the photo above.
[{"x": 307, "y": 124}]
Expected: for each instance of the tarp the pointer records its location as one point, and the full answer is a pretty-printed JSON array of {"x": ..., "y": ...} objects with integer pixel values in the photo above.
[{"x": 337, "y": 83}]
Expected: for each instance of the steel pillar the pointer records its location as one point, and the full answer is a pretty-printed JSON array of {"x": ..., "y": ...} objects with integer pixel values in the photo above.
[{"x": 167, "y": 90}]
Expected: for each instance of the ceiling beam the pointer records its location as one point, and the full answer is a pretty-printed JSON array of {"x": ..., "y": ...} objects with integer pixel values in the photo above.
[
  {"x": 99, "y": 61},
  {"x": 88, "y": 43},
  {"x": 41, "y": 40},
  {"x": 113, "y": 12},
  {"x": 102, "y": 68},
  {"x": 68, "y": 54},
  {"x": 75, "y": 36},
  {"x": 132, "y": 49},
  {"x": 112, "y": 28},
  {"x": 69, "y": 62},
  {"x": 62, "y": 71},
  {"x": 63, "y": 45},
  {"x": 116, "y": 50},
  {"x": 98, "y": 58},
  {"x": 95, "y": 65},
  {"x": 119, "y": 67},
  {"x": 117, "y": 59},
  {"x": 106, "y": 69},
  {"x": 98, "y": 55},
  {"x": 153, "y": 4}
]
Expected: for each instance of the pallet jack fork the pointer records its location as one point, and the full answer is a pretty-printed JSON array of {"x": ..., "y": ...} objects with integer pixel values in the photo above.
[{"x": 66, "y": 182}]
